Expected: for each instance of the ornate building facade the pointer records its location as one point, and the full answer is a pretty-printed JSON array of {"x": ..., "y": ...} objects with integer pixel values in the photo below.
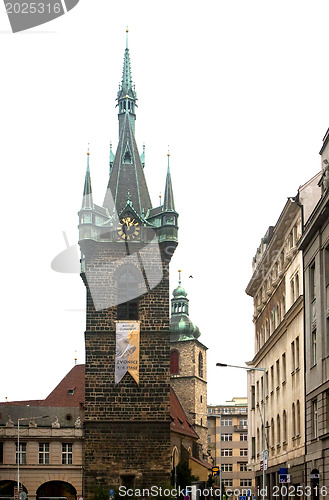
[
  {"x": 277, "y": 290},
  {"x": 315, "y": 247}
]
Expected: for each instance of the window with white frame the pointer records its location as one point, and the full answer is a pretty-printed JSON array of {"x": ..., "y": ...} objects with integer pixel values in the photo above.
[
  {"x": 43, "y": 453},
  {"x": 244, "y": 437},
  {"x": 227, "y": 452},
  {"x": 228, "y": 482},
  {"x": 226, "y": 422},
  {"x": 67, "y": 453},
  {"x": 226, "y": 437},
  {"x": 227, "y": 467},
  {"x": 22, "y": 453},
  {"x": 243, "y": 467},
  {"x": 243, "y": 452},
  {"x": 245, "y": 482}
]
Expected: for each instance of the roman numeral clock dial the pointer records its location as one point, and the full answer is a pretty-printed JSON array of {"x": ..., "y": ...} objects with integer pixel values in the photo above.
[{"x": 128, "y": 228}]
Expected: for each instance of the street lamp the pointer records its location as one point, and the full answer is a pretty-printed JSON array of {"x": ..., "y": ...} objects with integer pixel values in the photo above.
[
  {"x": 264, "y": 410},
  {"x": 18, "y": 450}
]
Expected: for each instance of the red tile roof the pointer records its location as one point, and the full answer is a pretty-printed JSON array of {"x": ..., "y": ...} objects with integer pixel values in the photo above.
[
  {"x": 70, "y": 391},
  {"x": 179, "y": 420}
]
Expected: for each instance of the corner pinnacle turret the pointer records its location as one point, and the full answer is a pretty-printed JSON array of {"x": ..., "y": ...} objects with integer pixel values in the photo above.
[
  {"x": 87, "y": 200},
  {"x": 168, "y": 201}
]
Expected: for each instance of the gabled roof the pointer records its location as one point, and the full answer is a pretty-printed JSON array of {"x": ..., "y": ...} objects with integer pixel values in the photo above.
[
  {"x": 179, "y": 420},
  {"x": 70, "y": 391}
]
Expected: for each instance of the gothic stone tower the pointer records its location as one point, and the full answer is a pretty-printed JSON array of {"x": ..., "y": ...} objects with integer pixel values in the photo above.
[
  {"x": 126, "y": 246},
  {"x": 188, "y": 370}
]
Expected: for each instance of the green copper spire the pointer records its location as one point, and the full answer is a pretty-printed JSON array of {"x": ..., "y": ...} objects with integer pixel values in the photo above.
[
  {"x": 127, "y": 96},
  {"x": 87, "y": 200},
  {"x": 168, "y": 201}
]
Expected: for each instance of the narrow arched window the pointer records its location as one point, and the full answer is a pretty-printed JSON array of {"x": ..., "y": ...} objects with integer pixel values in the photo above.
[
  {"x": 175, "y": 457},
  {"x": 127, "y": 296},
  {"x": 293, "y": 417},
  {"x": 298, "y": 418},
  {"x": 174, "y": 362},
  {"x": 278, "y": 429},
  {"x": 284, "y": 426},
  {"x": 200, "y": 365}
]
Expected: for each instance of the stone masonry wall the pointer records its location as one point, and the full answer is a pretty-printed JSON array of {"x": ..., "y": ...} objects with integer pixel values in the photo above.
[{"x": 127, "y": 427}]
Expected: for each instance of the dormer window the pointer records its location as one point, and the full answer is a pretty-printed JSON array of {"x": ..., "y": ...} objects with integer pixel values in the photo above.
[
  {"x": 70, "y": 392},
  {"x": 127, "y": 157}
]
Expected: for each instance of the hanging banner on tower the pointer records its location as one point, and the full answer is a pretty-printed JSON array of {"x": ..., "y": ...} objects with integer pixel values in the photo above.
[{"x": 127, "y": 350}]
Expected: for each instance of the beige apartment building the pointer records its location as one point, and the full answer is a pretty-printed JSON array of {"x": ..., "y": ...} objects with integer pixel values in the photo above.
[
  {"x": 277, "y": 289},
  {"x": 228, "y": 443}
]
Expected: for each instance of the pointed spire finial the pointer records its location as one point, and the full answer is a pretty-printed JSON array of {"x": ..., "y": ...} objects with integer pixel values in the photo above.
[
  {"x": 179, "y": 276},
  {"x": 160, "y": 196},
  {"x": 127, "y": 31},
  {"x": 168, "y": 202},
  {"x": 87, "y": 200}
]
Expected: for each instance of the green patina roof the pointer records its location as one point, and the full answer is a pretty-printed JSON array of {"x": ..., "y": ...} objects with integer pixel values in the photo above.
[{"x": 181, "y": 326}]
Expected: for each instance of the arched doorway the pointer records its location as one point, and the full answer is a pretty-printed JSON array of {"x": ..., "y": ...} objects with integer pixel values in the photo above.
[
  {"x": 59, "y": 489},
  {"x": 7, "y": 488}
]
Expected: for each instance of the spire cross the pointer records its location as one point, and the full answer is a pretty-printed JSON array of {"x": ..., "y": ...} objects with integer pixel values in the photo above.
[{"x": 179, "y": 276}]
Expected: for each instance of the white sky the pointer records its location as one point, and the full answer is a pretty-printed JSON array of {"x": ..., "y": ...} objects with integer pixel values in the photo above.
[{"x": 238, "y": 89}]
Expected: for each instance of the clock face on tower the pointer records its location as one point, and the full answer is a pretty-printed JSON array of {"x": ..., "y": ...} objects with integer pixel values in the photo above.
[{"x": 128, "y": 228}]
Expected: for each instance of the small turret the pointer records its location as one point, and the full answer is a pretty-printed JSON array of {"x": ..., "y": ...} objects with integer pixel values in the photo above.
[{"x": 181, "y": 327}]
